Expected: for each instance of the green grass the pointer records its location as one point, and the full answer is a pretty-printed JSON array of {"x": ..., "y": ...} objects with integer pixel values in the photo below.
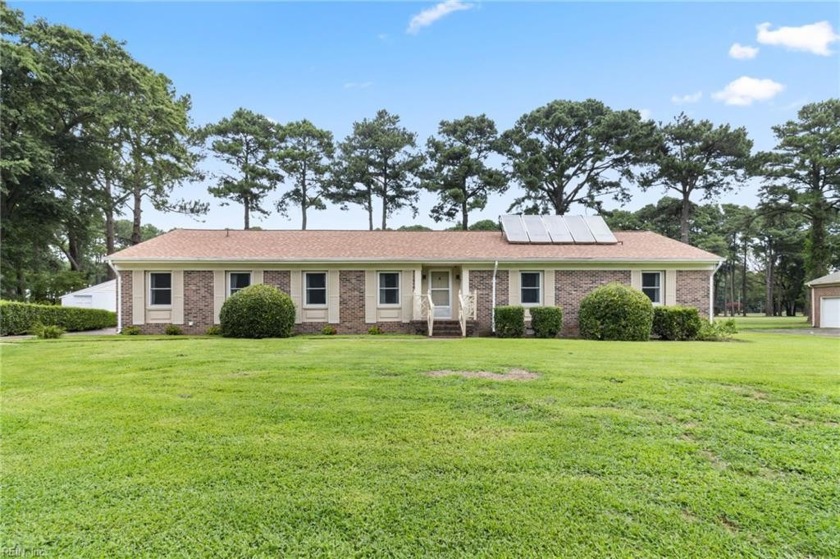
[
  {"x": 761, "y": 322},
  {"x": 334, "y": 446}
]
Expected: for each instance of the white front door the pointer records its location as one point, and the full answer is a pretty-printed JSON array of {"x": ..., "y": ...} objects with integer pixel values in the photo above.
[
  {"x": 441, "y": 291},
  {"x": 830, "y": 312}
]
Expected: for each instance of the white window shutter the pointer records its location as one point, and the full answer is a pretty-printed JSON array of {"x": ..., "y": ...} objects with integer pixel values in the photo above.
[
  {"x": 218, "y": 294},
  {"x": 334, "y": 288},
  {"x": 296, "y": 287},
  {"x": 178, "y": 297},
  {"x": 371, "y": 291},
  {"x": 138, "y": 297}
]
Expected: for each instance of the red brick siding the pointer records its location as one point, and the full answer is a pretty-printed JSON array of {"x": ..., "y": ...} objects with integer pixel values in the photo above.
[
  {"x": 693, "y": 290},
  {"x": 126, "y": 289},
  {"x": 482, "y": 282},
  {"x": 571, "y": 286},
  {"x": 198, "y": 301},
  {"x": 351, "y": 308},
  {"x": 279, "y": 279},
  {"x": 827, "y": 291}
]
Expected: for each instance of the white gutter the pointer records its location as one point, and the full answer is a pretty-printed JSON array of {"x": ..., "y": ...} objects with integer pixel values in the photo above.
[
  {"x": 119, "y": 296},
  {"x": 812, "y": 313},
  {"x": 712, "y": 291},
  {"x": 493, "y": 302}
]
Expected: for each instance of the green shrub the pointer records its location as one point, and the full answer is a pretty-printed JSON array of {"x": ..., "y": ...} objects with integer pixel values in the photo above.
[
  {"x": 18, "y": 318},
  {"x": 616, "y": 312},
  {"x": 676, "y": 323},
  {"x": 546, "y": 321},
  {"x": 214, "y": 330},
  {"x": 131, "y": 331},
  {"x": 258, "y": 311},
  {"x": 49, "y": 332},
  {"x": 510, "y": 321},
  {"x": 173, "y": 330},
  {"x": 374, "y": 330},
  {"x": 329, "y": 330},
  {"x": 717, "y": 331}
]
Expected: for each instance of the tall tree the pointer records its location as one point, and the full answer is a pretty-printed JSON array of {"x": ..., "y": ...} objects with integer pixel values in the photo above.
[
  {"x": 696, "y": 157},
  {"x": 154, "y": 148},
  {"x": 245, "y": 142},
  {"x": 569, "y": 152},
  {"x": 378, "y": 160},
  {"x": 458, "y": 170},
  {"x": 802, "y": 175},
  {"x": 304, "y": 155}
]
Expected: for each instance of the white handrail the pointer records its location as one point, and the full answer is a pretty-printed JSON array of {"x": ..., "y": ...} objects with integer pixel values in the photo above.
[
  {"x": 427, "y": 310},
  {"x": 466, "y": 309}
]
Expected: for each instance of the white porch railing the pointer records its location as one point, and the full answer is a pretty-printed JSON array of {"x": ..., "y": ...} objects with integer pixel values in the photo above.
[
  {"x": 466, "y": 309},
  {"x": 427, "y": 310}
]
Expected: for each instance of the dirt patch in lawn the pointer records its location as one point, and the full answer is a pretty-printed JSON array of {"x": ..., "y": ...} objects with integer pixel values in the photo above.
[{"x": 513, "y": 374}]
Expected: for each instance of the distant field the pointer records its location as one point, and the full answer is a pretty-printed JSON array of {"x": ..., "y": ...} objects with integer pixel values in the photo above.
[
  {"x": 345, "y": 446},
  {"x": 761, "y": 322}
]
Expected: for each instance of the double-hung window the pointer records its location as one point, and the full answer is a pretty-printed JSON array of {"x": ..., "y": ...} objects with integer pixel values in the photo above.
[
  {"x": 652, "y": 286},
  {"x": 160, "y": 288},
  {"x": 238, "y": 281},
  {"x": 531, "y": 288},
  {"x": 315, "y": 289},
  {"x": 389, "y": 288}
]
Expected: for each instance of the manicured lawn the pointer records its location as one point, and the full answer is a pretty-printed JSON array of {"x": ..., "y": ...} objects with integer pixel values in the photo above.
[
  {"x": 761, "y": 322},
  {"x": 323, "y": 446}
]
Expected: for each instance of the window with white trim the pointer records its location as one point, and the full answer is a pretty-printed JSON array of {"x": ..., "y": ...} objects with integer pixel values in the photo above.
[
  {"x": 238, "y": 281},
  {"x": 531, "y": 288},
  {"x": 160, "y": 289},
  {"x": 315, "y": 289},
  {"x": 389, "y": 289},
  {"x": 652, "y": 286}
]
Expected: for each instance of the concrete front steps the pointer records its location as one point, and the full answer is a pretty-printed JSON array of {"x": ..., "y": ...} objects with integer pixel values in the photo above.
[{"x": 451, "y": 329}]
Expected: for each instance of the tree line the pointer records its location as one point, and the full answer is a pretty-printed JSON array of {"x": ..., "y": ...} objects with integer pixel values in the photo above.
[{"x": 90, "y": 135}]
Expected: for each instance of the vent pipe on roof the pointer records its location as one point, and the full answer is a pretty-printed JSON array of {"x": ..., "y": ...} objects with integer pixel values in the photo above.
[{"x": 227, "y": 232}]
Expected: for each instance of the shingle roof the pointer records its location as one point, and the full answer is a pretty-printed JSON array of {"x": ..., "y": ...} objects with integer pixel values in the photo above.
[
  {"x": 826, "y": 280},
  {"x": 398, "y": 246}
]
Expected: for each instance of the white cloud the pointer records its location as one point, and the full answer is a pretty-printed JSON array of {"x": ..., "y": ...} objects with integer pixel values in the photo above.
[
  {"x": 814, "y": 38},
  {"x": 436, "y": 12},
  {"x": 685, "y": 99},
  {"x": 742, "y": 52},
  {"x": 743, "y": 91},
  {"x": 357, "y": 85},
  {"x": 646, "y": 114}
]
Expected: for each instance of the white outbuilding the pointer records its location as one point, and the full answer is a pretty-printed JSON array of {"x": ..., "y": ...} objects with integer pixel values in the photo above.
[
  {"x": 825, "y": 301},
  {"x": 99, "y": 296}
]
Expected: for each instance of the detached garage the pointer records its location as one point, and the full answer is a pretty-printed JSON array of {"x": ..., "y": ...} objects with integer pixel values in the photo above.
[
  {"x": 100, "y": 296},
  {"x": 825, "y": 301}
]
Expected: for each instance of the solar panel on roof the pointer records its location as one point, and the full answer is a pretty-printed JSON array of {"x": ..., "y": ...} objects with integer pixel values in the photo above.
[
  {"x": 557, "y": 229},
  {"x": 600, "y": 230},
  {"x": 514, "y": 229},
  {"x": 579, "y": 230},
  {"x": 535, "y": 229}
]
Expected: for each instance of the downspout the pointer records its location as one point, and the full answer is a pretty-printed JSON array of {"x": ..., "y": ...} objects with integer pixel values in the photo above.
[
  {"x": 813, "y": 313},
  {"x": 712, "y": 292},
  {"x": 119, "y": 296},
  {"x": 493, "y": 302}
]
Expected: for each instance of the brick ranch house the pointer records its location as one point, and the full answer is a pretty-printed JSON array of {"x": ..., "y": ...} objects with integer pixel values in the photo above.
[{"x": 400, "y": 281}]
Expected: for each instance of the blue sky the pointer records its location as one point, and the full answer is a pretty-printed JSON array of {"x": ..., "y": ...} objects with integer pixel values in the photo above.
[{"x": 336, "y": 63}]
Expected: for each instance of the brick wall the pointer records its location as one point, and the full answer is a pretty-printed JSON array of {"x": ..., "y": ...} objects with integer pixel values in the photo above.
[
  {"x": 279, "y": 279},
  {"x": 198, "y": 301},
  {"x": 693, "y": 290},
  {"x": 571, "y": 286},
  {"x": 482, "y": 281},
  {"x": 828, "y": 291},
  {"x": 126, "y": 289}
]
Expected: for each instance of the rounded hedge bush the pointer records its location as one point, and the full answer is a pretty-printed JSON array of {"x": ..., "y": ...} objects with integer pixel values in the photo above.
[
  {"x": 510, "y": 321},
  {"x": 547, "y": 322},
  {"x": 616, "y": 312},
  {"x": 258, "y": 311}
]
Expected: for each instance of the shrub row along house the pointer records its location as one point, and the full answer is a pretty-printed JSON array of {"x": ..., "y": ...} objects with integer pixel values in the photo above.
[{"x": 404, "y": 281}]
